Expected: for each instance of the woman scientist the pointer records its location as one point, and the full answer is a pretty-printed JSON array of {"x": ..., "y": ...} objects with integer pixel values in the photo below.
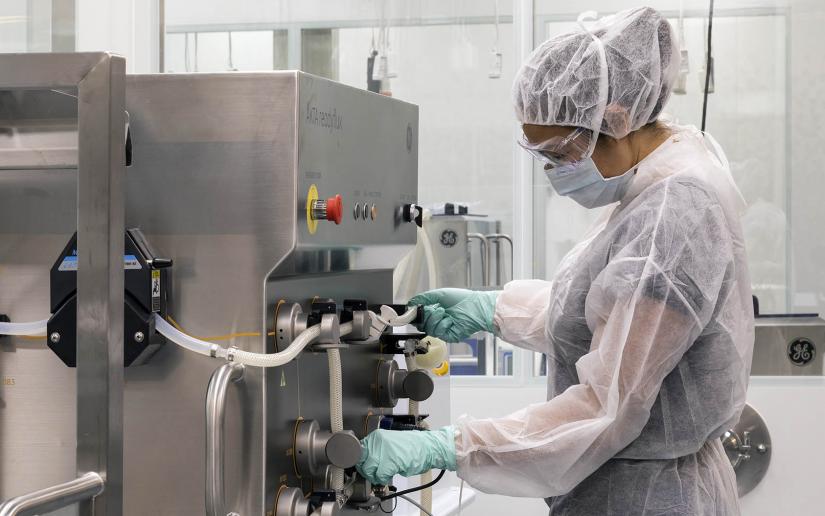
[{"x": 648, "y": 323}]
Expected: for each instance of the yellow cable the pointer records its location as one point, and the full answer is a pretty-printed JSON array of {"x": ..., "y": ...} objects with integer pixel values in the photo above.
[{"x": 218, "y": 337}]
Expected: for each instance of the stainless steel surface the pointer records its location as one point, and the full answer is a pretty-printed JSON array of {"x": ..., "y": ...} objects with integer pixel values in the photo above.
[
  {"x": 749, "y": 449},
  {"x": 215, "y": 426},
  {"x": 39, "y": 71},
  {"x": 484, "y": 259},
  {"x": 222, "y": 164},
  {"x": 85, "y": 487},
  {"x": 290, "y": 321},
  {"x": 789, "y": 346},
  {"x": 315, "y": 449},
  {"x": 100, "y": 280},
  {"x": 98, "y": 80}
]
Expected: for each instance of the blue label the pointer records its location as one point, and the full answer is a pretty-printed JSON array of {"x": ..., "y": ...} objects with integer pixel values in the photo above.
[{"x": 69, "y": 263}]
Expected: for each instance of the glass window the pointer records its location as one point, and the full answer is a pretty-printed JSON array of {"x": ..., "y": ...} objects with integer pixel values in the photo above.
[
  {"x": 212, "y": 51},
  {"x": 37, "y": 26}
]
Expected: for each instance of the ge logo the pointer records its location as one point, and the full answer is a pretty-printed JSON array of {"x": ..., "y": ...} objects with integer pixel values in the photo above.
[
  {"x": 801, "y": 352},
  {"x": 449, "y": 238}
]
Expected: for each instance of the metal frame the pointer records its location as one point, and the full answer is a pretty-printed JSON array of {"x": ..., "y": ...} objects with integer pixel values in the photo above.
[
  {"x": 56, "y": 497},
  {"x": 100, "y": 82}
]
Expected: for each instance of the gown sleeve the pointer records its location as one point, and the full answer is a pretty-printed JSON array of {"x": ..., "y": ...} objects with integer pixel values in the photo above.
[{"x": 645, "y": 308}]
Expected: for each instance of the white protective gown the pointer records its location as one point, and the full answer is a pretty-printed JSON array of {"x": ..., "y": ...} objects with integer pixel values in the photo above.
[{"x": 648, "y": 332}]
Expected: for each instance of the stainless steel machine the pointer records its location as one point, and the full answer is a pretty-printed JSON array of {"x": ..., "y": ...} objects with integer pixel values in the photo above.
[
  {"x": 470, "y": 250},
  {"x": 272, "y": 194}
]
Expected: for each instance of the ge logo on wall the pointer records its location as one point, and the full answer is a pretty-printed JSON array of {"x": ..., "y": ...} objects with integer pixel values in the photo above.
[
  {"x": 449, "y": 238},
  {"x": 801, "y": 352}
]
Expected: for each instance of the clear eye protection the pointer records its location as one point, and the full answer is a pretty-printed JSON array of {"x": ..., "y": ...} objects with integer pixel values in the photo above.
[{"x": 561, "y": 150}]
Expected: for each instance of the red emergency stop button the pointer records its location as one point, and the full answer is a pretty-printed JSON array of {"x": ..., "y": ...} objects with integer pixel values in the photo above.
[
  {"x": 335, "y": 209},
  {"x": 332, "y": 209}
]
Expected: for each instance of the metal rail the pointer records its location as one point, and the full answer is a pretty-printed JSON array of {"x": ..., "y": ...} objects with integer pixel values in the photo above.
[
  {"x": 485, "y": 258},
  {"x": 215, "y": 412},
  {"x": 56, "y": 497},
  {"x": 497, "y": 238}
]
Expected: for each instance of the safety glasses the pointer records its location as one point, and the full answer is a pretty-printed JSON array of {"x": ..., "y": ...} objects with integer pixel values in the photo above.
[{"x": 561, "y": 150}]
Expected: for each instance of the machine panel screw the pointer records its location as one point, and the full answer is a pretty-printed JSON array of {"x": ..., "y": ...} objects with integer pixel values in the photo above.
[
  {"x": 54, "y": 337},
  {"x": 139, "y": 336}
]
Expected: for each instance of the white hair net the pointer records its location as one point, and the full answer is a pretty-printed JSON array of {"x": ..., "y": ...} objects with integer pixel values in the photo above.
[{"x": 614, "y": 77}]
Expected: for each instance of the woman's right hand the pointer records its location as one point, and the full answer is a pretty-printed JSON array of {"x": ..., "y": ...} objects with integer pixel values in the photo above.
[{"x": 453, "y": 314}]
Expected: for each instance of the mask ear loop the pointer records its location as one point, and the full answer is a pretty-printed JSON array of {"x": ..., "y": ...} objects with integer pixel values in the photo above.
[{"x": 603, "y": 87}]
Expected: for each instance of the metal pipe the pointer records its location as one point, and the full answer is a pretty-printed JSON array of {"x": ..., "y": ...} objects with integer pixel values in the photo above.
[
  {"x": 215, "y": 412},
  {"x": 502, "y": 236},
  {"x": 485, "y": 257},
  {"x": 56, "y": 497}
]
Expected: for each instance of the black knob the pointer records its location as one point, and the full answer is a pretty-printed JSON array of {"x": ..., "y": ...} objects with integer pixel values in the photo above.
[
  {"x": 413, "y": 213},
  {"x": 161, "y": 263}
]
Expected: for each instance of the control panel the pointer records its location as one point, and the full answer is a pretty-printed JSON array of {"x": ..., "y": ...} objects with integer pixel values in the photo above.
[{"x": 357, "y": 174}]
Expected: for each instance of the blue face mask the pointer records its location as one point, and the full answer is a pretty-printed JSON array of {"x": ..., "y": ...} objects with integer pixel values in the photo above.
[{"x": 582, "y": 182}]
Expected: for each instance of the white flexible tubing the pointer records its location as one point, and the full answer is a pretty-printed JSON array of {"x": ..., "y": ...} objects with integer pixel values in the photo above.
[
  {"x": 185, "y": 341},
  {"x": 23, "y": 328},
  {"x": 336, "y": 410},
  {"x": 306, "y": 338},
  {"x": 428, "y": 252}
]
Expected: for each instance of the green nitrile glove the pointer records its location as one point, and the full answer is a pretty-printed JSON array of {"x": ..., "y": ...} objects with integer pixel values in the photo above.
[
  {"x": 453, "y": 314},
  {"x": 385, "y": 453}
]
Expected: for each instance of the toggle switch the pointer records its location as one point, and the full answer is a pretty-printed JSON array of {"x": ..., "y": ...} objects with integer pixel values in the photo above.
[
  {"x": 395, "y": 383},
  {"x": 332, "y": 209},
  {"x": 315, "y": 449}
]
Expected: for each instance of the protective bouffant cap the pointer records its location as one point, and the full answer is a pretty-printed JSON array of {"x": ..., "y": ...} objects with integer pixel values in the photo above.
[{"x": 613, "y": 75}]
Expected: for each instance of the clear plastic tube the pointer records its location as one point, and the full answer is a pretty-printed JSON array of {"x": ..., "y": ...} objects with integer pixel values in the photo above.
[
  {"x": 185, "y": 341},
  {"x": 25, "y": 328},
  {"x": 203, "y": 347}
]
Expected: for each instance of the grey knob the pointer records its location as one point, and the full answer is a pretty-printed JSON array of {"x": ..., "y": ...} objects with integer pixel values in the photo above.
[
  {"x": 395, "y": 383},
  {"x": 291, "y": 502},
  {"x": 416, "y": 385},
  {"x": 343, "y": 449},
  {"x": 315, "y": 449},
  {"x": 327, "y": 509}
]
